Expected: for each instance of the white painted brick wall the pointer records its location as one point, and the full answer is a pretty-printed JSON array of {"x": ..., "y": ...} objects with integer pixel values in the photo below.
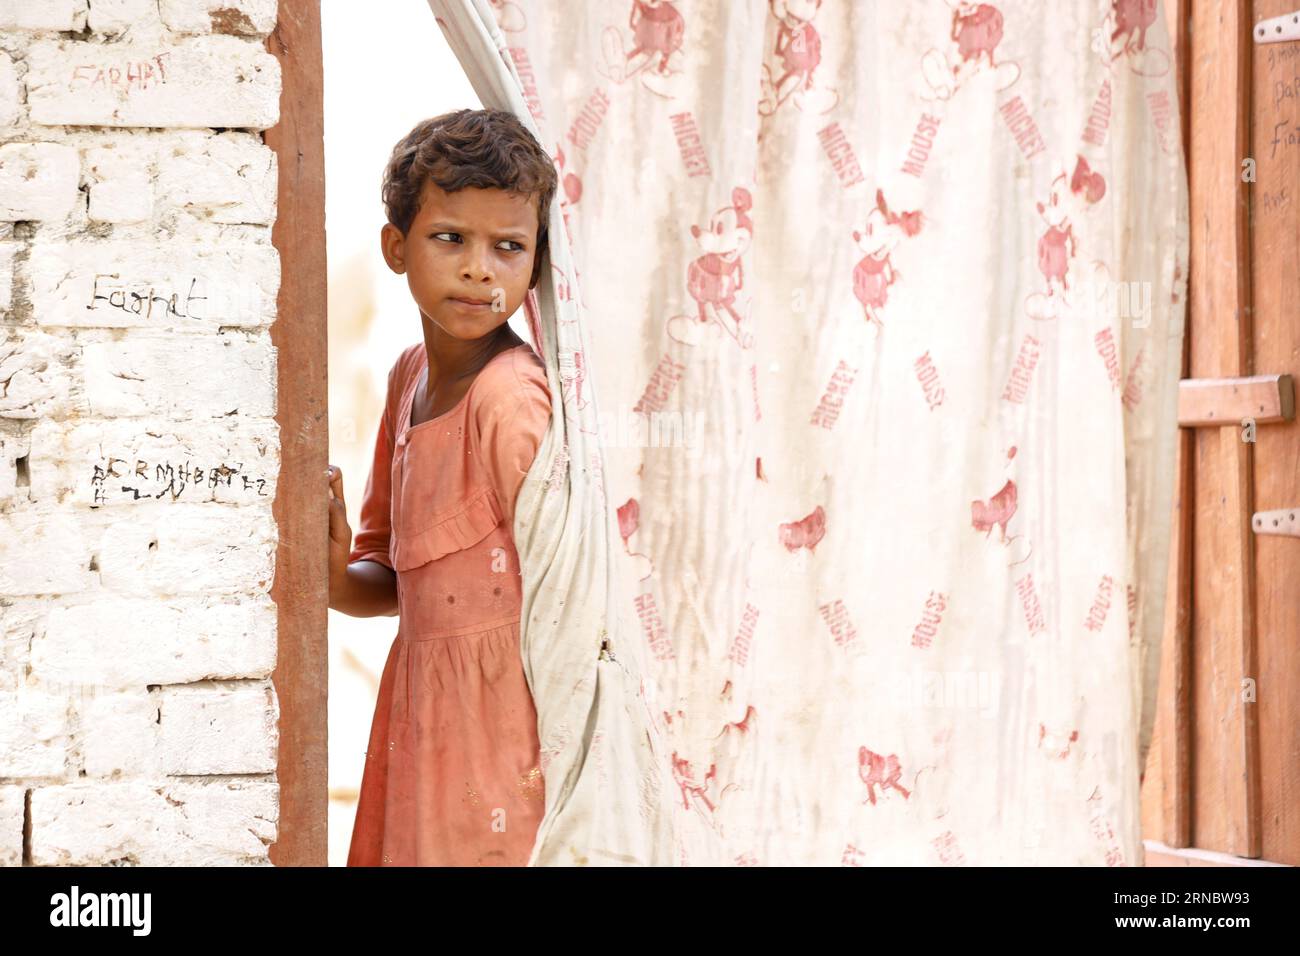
[
  {"x": 38, "y": 181},
  {"x": 116, "y": 463},
  {"x": 193, "y": 82},
  {"x": 112, "y": 18},
  {"x": 10, "y": 98},
  {"x": 33, "y": 734},
  {"x": 241, "y": 17},
  {"x": 185, "y": 641},
  {"x": 139, "y": 451},
  {"x": 163, "y": 823},
  {"x": 47, "y": 15},
  {"x": 12, "y": 800},
  {"x": 7, "y": 252},
  {"x": 194, "y": 730},
  {"x": 190, "y": 286}
]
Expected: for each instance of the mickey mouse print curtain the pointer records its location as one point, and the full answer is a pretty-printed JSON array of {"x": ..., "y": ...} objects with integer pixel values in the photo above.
[{"x": 848, "y": 543}]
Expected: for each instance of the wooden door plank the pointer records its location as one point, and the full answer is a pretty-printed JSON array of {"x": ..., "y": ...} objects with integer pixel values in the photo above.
[
  {"x": 1275, "y": 249},
  {"x": 1177, "y": 765},
  {"x": 1261, "y": 399},
  {"x": 1223, "y": 765}
]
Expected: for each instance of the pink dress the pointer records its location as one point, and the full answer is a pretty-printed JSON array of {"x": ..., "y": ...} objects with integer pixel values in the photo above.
[{"x": 453, "y": 774}]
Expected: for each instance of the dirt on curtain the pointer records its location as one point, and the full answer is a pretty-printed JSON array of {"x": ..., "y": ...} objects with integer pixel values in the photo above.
[{"x": 848, "y": 544}]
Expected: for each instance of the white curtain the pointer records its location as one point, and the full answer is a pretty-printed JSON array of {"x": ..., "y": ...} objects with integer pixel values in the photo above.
[{"x": 867, "y": 323}]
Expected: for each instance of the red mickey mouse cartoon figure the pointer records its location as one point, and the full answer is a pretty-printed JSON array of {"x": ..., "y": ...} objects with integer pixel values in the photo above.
[{"x": 714, "y": 278}]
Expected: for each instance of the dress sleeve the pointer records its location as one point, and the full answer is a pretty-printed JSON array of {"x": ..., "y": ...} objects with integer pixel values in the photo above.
[
  {"x": 511, "y": 424},
  {"x": 370, "y": 541}
]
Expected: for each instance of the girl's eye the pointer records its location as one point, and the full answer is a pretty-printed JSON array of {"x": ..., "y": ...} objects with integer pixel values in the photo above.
[{"x": 456, "y": 237}]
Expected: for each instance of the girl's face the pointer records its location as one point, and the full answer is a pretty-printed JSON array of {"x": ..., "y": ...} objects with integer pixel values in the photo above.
[{"x": 473, "y": 245}]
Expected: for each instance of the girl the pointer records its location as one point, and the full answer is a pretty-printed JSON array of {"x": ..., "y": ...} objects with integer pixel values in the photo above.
[{"x": 452, "y": 774}]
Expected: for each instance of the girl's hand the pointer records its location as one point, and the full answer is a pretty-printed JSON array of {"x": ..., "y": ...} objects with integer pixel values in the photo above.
[{"x": 340, "y": 530}]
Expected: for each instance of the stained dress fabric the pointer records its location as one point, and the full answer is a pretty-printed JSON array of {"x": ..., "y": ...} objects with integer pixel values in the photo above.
[{"x": 452, "y": 774}]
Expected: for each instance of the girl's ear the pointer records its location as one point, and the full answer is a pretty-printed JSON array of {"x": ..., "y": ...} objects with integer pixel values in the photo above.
[{"x": 393, "y": 245}]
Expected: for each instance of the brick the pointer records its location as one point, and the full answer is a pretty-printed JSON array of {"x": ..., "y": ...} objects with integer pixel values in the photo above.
[
  {"x": 119, "y": 734},
  {"x": 42, "y": 553},
  {"x": 239, "y": 17},
  {"x": 33, "y": 734},
  {"x": 120, "y": 176},
  {"x": 189, "y": 550},
  {"x": 220, "y": 823},
  {"x": 183, "y": 285},
  {"x": 226, "y": 178},
  {"x": 132, "y": 464},
  {"x": 113, "y": 18},
  {"x": 8, "y": 252},
  {"x": 38, "y": 181},
  {"x": 200, "y": 82},
  {"x": 12, "y": 447},
  {"x": 212, "y": 728},
  {"x": 156, "y": 377},
  {"x": 34, "y": 371},
  {"x": 42, "y": 14},
  {"x": 19, "y": 623},
  {"x": 202, "y": 728},
  {"x": 12, "y": 801},
  {"x": 140, "y": 642},
  {"x": 10, "y": 100}
]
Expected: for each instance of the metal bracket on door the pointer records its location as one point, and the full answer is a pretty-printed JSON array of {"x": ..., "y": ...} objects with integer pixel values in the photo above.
[
  {"x": 1277, "y": 522},
  {"x": 1278, "y": 29}
]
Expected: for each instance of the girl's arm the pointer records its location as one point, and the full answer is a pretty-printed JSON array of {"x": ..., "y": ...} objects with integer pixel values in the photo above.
[
  {"x": 366, "y": 589},
  {"x": 362, "y": 582}
]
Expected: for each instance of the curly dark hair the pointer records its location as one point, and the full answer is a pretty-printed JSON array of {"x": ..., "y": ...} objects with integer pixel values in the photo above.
[{"x": 470, "y": 148}]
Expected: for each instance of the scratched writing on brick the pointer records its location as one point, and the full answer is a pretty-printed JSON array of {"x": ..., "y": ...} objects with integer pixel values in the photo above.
[
  {"x": 131, "y": 74},
  {"x": 137, "y": 302},
  {"x": 117, "y": 476}
]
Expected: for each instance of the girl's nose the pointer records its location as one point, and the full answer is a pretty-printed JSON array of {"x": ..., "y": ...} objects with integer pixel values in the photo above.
[{"x": 477, "y": 265}]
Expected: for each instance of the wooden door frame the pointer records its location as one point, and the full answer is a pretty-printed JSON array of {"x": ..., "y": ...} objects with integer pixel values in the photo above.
[{"x": 300, "y": 589}]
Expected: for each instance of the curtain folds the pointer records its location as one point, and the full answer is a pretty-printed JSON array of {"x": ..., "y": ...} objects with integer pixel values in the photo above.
[{"x": 848, "y": 542}]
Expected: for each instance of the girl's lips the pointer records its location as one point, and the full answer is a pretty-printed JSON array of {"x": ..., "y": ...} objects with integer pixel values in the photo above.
[{"x": 471, "y": 304}]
